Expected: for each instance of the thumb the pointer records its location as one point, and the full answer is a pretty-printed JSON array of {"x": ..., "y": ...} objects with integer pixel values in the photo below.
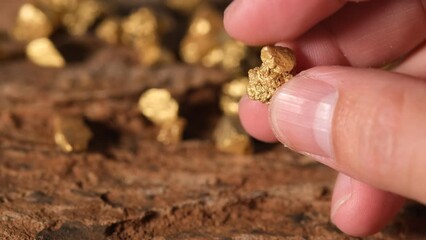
[{"x": 369, "y": 124}]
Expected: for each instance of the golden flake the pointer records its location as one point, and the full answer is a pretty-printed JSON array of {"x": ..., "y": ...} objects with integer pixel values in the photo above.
[
  {"x": 31, "y": 23},
  {"x": 42, "y": 52},
  {"x": 230, "y": 137},
  {"x": 171, "y": 132},
  {"x": 158, "y": 106},
  {"x": 277, "y": 62},
  {"x": 71, "y": 134}
]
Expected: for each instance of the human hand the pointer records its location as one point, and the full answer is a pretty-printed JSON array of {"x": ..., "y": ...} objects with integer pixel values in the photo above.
[{"x": 368, "y": 124}]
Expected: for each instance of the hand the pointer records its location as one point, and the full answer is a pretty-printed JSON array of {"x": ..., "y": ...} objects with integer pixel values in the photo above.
[{"x": 369, "y": 124}]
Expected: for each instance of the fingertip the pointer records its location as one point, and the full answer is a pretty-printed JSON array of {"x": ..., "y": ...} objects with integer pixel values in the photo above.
[
  {"x": 361, "y": 210},
  {"x": 255, "y": 120},
  {"x": 265, "y": 22}
]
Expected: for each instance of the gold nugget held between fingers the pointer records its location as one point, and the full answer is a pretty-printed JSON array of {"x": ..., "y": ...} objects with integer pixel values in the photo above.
[{"x": 277, "y": 63}]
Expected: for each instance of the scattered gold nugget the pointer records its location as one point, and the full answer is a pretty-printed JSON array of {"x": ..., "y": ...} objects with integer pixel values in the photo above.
[
  {"x": 203, "y": 35},
  {"x": 42, "y": 52},
  {"x": 171, "y": 132},
  {"x": 158, "y": 106},
  {"x": 141, "y": 32},
  {"x": 71, "y": 134},
  {"x": 141, "y": 27},
  {"x": 230, "y": 137},
  {"x": 31, "y": 23},
  {"x": 207, "y": 43},
  {"x": 277, "y": 62},
  {"x": 77, "y": 20},
  {"x": 109, "y": 30},
  {"x": 231, "y": 95}
]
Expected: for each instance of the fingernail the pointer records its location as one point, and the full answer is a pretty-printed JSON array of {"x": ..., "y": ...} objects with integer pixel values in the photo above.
[
  {"x": 341, "y": 194},
  {"x": 301, "y": 115}
]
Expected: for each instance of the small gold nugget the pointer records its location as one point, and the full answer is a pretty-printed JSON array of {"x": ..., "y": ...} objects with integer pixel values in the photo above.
[
  {"x": 277, "y": 63},
  {"x": 207, "y": 43},
  {"x": 171, "y": 132},
  {"x": 141, "y": 32},
  {"x": 31, "y": 23},
  {"x": 158, "y": 106},
  {"x": 231, "y": 95},
  {"x": 81, "y": 16},
  {"x": 71, "y": 133},
  {"x": 162, "y": 109},
  {"x": 109, "y": 30},
  {"x": 42, "y": 52},
  {"x": 230, "y": 137}
]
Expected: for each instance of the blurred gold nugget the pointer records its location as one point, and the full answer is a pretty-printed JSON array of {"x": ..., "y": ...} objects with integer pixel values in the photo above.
[
  {"x": 231, "y": 95},
  {"x": 160, "y": 108},
  {"x": 230, "y": 137},
  {"x": 42, "y": 52},
  {"x": 171, "y": 132},
  {"x": 207, "y": 43},
  {"x": 109, "y": 30},
  {"x": 31, "y": 23},
  {"x": 277, "y": 63},
  {"x": 140, "y": 27},
  {"x": 141, "y": 31},
  {"x": 203, "y": 34},
  {"x": 80, "y": 15},
  {"x": 71, "y": 133}
]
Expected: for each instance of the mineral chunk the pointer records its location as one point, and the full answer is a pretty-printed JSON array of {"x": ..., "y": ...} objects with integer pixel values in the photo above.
[{"x": 277, "y": 63}]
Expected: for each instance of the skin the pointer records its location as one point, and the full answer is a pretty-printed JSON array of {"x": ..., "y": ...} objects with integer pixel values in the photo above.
[{"x": 339, "y": 42}]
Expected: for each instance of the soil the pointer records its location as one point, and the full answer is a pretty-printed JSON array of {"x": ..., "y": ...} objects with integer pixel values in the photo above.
[{"x": 127, "y": 185}]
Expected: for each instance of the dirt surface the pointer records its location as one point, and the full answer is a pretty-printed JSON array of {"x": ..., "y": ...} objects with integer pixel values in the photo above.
[{"x": 128, "y": 186}]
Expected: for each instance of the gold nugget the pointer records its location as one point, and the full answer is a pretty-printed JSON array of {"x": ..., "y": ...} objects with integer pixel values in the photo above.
[
  {"x": 71, "y": 134},
  {"x": 171, "y": 132},
  {"x": 231, "y": 95},
  {"x": 203, "y": 36},
  {"x": 141, "y": 32},
  {"x": 230, "y": 137},
  {"x": 207, "y": 43},
  {"x": 42, "y": 52},
  {"x": 31, "y": 23},
  {"x": 158, "y": 106},
  {"x": 277, "y": 63},
  {"x": 78, "y": 19},
  {"x": 109, "y": 30}
]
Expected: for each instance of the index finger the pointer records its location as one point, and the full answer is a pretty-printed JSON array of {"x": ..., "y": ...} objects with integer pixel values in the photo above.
[{"x": 272, "y": 21}]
